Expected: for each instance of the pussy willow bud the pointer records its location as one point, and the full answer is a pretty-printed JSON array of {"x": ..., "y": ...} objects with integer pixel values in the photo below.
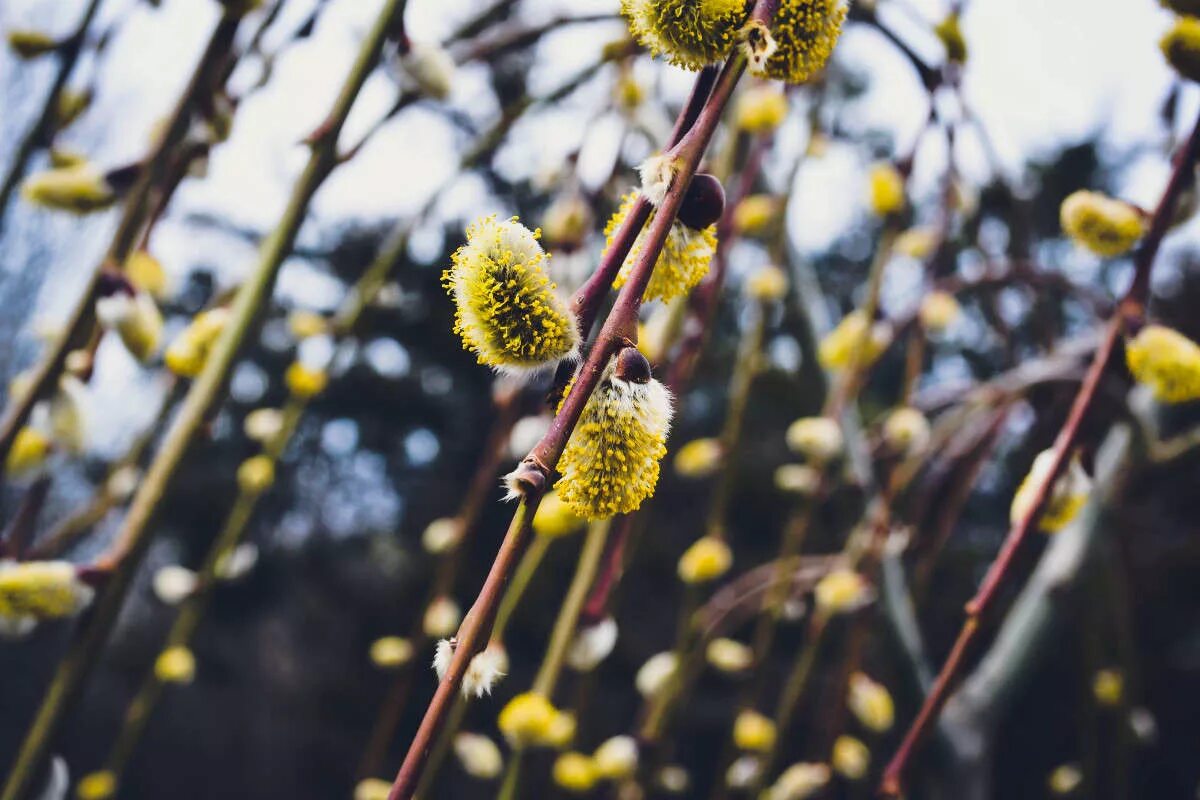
[
  {"x": 658, "y": 173},
  {"x": 507, "y": 310},
  {"x": 754, "y": 732},
  {"x": 673, "y": 779},
  {"x": 799, "y": 782},
  {"x": 842, "y": 591},
  {"x": 554, "y": 518},
  {"x": 71, "y": 106},
  {"x": 906, "y": 431},
  {"x": 686, "y": 33},
  {"x": 706, "y": 560},
  {"x": 99, "y": 785},
  {"x": 819, "y": 439},
  {"x": 1065, "y": 501},
  {"x": 854, "y": 340},
  {"x": 431, "y": 68},
  {"x": 30, "y": 449},
  {"x": 655, "y": 673},
  {"x": 805, "y": 32},
  {"x": 303, "y": 324},
  {"x": 1105, "y": 226},
  {"x": 527, "y": 719},
  {"x": 391, "y": 652},
  {"x": 939, "y": 310},
  {"x": 1166, "y": 361},
  {"x": 1181, "y": 46},
  {"x": 442, "y": 617},
  {"x": 175, "y": 665},
  {"x": 870, "y": 703},
  {"x": 442, "y": 535},
  {"x": 760, "y": 109},
  {"x": 616, "y": 758},
  {"x": 186, "y": 355},
  {"x": 611, "y": 462},
  {"x": 728, "y": 656},
  {"x": 756, "y": 214},
  {"x": 917, "y": 242},
  {"x": 885, "y": 190},
  {"x": 592, "y": 644},
  {"x": 372, "y": 789},
  {"x": 699, "y": 458},
  {"x": 851, "y": 759},
  {"x": 1064, "y": 780},
  {"x": 305, "y": 381},
  {"x": 479, "y": 755},
  {"x": 34, "y": 591},
  {"x": 485, "y": 671},
  {"x": 683, "y": 262},
  {"x": 1108, "y": 687},
  {"x": 173, "y": 584},
  {"x": 79, "y": 189},
  {"x": 767, "y": 284},
  {"x": 27, "y": 43},
  {"x": 146, "y": 273},
  {"x": 575, "y": 773},
  {"x": 136, "y": 319}
]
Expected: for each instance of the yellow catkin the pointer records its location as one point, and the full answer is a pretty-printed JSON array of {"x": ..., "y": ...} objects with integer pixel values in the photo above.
[
  {"x": 706, "y": 560},
  {"x": 1105, "y": 226},
  {"x": 1181, "y": 47},
  {"x": 186, "y": 355},
  {"x": 79, "y": 189},
  {"x": 305, "y": 381},
  {"x": 854, "y": 340},
  {"x": 175, "y": 665},
  {"x": 755, "y": 214},
  {"x": 885, "y": 189},
  {"x": 256, "y": 474},
  {"x": 146, "y": 273},
  {"x": 41, "y": 590},
  {"x": 1065, "y": 501},
  {"x": 527, "y": 719},
  {"x": 851, "y": 759},
  {"x": 575, "y": 772},
  {"x": 554, "y": 518},
  {"x": 760, "y": 109},
  {"x": 29, "y": 450},
  {"x": 871, "y": 703},
  {"x": 687, "y": 33},
  {"x": 1166, "y": 361},
  {"x": 96, "y": 786},
  {"x": 683, "y": 262},
  {"x": 28, "y": 43},
  {"x": 611, "y": 462},
  {"x": 805, "y": 32},
  {"x": 754, "y": 732},
  {"x": 506, "y": 308},
  {"x": 699, "y": 458}
]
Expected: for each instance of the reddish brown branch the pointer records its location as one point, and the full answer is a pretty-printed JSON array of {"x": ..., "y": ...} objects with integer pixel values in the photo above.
[{"x": 1131, "y": 309}]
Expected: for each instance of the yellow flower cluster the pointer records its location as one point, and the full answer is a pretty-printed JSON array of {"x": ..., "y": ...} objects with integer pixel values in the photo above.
[
  {"x": 1105, "y": 226},
  {"x": 611, "y": 462},
  {"x": 554, "y": 518},
  {"x": 687, "y": 33},
  {"x": 186, "y": 355},
  {"x": 760, "y": 109},
  {"x": 706, "y": 560},
  {"x": 755, "y": 213},
  {"x": 530, "y": 720},
  {"x": 575, "y": 772},
  {"x": 175, "y": 665},
  {"x": 871, "y": 703},
  {"x": 754, "y": 732},
  {"x": 256, "y": 474},
  {"x": 1166, "y": 361},
  {"x": 79, "y": 189},
  {"x": 41, "y": 590},
  {"x": 854, "y": 338},
  {"x": 305, "y": 381},
  {"x": 684, "y": 259},
  {"x": 699, "y": 458},
  {"x": 885, "y": 189},
  {"x": 507, "y": 310},
  {"x": 1066, "y": 499},
  {"x": 805, "y": 32}
]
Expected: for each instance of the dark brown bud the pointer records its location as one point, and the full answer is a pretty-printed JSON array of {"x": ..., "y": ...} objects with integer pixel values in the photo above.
[
  {"x": 703, "y": 202},
  {"x": 632, "y": 366}
]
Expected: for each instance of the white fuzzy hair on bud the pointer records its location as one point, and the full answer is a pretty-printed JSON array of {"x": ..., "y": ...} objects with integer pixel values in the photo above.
[
  {"x": 485, "y": 671},
  {"x": 657, "y": 173}
]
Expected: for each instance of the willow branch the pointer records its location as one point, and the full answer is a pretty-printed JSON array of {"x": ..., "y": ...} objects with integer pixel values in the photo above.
[{"x": 1131, "y": 309}]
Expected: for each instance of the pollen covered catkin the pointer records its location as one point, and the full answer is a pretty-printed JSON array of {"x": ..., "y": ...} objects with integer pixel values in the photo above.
[
  {"x": 507, "y": 309},
  {"x": 805, "y": 32},
  {"x": 683, "y": 262},
  {"x": 611, "y": 463},
  {"x": 687, "y": 33}
]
